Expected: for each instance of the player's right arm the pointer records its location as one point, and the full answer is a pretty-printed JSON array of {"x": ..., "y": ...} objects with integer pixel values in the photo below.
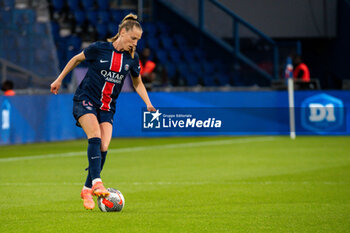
[{"x": 76, "y": 60}]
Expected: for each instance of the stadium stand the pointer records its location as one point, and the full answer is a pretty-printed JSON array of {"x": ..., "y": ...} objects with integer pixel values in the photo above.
[
  {"x": 74, "y": 24},
  {"x": 96, "y": 20},
  {"x": 26, "y": 43}
]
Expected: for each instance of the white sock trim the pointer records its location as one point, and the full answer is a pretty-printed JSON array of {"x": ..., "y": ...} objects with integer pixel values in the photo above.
[
  {"x": 86, "y": 188},
  {"x": 96, "y": 180}
]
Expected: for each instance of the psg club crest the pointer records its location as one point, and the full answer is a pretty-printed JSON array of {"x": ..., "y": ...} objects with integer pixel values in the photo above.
[{"x": 126, "y": 67}]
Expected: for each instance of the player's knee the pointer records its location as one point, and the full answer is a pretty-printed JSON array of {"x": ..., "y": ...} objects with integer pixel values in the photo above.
[{"x": 94, "y": 134}]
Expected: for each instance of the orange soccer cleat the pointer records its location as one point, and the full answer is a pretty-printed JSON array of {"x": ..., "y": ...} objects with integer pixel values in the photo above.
[
  {"x": 99, "y": 190},
  {"x": 86, "y": 195}
]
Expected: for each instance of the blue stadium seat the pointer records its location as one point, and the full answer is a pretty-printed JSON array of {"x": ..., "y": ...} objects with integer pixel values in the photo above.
[
  {"x": 25, "y": 16},
  {"x": 6, "y": 15},
  {"x": 70, "y": 53},
  {"x": 188, "y": 56},
  {"x": 91, "y": 16},
  {"x": 162, "y": 56},
  {"x": 223, "y": 79},
  {"x": 61, "y": 55},
  {"x": 149, "y": 28},
  {"x": 73, "y": 5},
  {"x": 162, "y": 28},
  {"x": 61, "y": 44},
  {"x": 196, "y": 68},
  {"x": 24, "y": 56},
  {"x": 166, "y": 42},
  {"x": 171, "y": 70},
  {"x": 9, "y": 3},
  {"x": 175, "y": 56},
  {"x": 74, "y": 42},
  {"x": 88, "y": 4},
  {"x": 152, "y": 43},
  {"x": 45, "y": 43},
  {"x": 218, "y": 65},
  {"x": 199, "y": 54},
  {"x": 186, "y": 75},
  {"x": 41, "y": 55},
  {"x": 180, "y": 40},
  {"x": 22, "y": 42},
  {"x": 152, "y": 56},
  {"x": 103, "y": 4},
  {"x": 102, "y": 30},
  {"x": 182, "y": 68},
  {"x": 9, "y": 42},
  {"x": 103, "y": 16},
  {"x": 141, "y": 44},
  {"x": 57, "y": 5},
  {"x": 207, "y": 67},
  {"x": 112, "y": 29},
  {"x": 191, "y": 79},
  {"x": 55, "y": 30},
  {"x": 117, "y": 16},
  {"x": 11, "y": 56},
  {"x": 40, "y": 28},
  {"x": 79, "y": 17},
  {"x": 209, "y": 80},
  {"x": 182, "y": 71}
]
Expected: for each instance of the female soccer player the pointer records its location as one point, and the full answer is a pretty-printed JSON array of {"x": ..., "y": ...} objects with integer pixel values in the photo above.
[{"x": 95, "y": 98}]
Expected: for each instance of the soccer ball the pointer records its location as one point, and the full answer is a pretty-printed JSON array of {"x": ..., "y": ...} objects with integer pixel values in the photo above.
[{"x": 113, "y": 203}]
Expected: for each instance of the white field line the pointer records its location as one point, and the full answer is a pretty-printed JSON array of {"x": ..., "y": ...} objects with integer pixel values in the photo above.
[
  {"x": 158, "y": 183},
  {"x": 145, "y": 148}
]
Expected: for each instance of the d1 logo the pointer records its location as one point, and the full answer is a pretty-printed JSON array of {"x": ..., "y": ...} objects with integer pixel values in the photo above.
[
  {"x": 319, "y": 112},
  {"x": 322, "y": 113}
]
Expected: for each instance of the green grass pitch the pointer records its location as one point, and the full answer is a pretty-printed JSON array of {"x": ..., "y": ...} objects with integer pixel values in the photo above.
[{"x": 193, "y": 184}]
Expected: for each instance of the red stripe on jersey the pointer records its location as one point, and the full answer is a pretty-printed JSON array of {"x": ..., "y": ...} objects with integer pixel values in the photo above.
[
  {"x": 117, "y": 62},
  {"x": 106, "y": 98}
]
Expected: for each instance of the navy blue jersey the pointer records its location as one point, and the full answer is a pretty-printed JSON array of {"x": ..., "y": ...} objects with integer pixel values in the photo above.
[{"x": 105, "y": 77}]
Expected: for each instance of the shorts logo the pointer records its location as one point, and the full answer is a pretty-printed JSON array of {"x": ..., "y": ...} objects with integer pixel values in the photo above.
[
  {"x": 126, "y": 67},
  {"x": 322, "y": 113},
  {"x": 87, "y": 105}
]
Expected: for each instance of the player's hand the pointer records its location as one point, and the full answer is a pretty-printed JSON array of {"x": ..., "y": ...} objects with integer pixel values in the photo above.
[
  {"x": 150, "y": 108},
  {"x": 55, "y": 86}
]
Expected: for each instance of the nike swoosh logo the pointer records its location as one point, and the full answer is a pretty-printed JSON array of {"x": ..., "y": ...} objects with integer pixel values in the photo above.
[
  {"x": 103, "y": 61},
  {"x": 95, "y": 157}
]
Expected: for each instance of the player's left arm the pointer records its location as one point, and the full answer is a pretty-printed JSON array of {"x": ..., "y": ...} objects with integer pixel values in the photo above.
[{"x": 141, "y": 90}]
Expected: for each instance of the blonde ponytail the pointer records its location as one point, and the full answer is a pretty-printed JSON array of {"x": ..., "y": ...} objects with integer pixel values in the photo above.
[
  {"x": 114, "y": 38},
  {"x": 129, "y": 22},
  {"x": 130, "y": 16}
]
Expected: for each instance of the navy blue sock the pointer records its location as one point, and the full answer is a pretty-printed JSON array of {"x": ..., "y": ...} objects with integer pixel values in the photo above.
[
  {"x": 88, "y": 182},
  {"x": 94, "y": 156},
  {"x": 103, "y": 160}
]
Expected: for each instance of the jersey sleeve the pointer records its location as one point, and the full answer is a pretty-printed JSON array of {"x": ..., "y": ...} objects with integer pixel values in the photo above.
[
  {"x": 91, "y": 52},
  {"x": 135, "y": 68}
]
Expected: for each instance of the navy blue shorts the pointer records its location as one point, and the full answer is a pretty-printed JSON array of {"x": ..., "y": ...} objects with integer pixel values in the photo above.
[{"x": 85, "y": 106}]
